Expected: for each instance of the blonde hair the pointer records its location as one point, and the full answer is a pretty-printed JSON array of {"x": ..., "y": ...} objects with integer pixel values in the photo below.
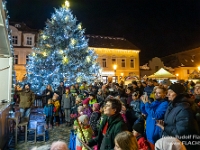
[
  {"x": 59, "y": 145},
  {"x": 126, "y": 141}
]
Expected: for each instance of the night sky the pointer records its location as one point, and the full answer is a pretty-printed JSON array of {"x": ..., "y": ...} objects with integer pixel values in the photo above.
[{"x": 158, "y": 28}]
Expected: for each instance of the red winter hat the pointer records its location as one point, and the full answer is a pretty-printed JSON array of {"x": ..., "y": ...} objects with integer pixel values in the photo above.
[
  {"x": 86, "y": 101},
  {"x": 96, "y": 105},
  {"x": 67, "y": 88}
]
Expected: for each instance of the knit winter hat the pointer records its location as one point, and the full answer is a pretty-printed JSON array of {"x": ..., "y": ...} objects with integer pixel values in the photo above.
[
  {"x": 86, "y": 101},
  {"x": 96, "y": 105},
  {"x": 82, "y": 118},
  {"x": 139, "y": 127},
  {"x": 67, "y": 88},
  {"x": 169, "y": 143},
  {"x": 177, "y": 88},
  {"x": 134, "y": 82}
]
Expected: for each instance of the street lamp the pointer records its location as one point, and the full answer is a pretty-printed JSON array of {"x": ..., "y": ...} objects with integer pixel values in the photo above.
[
  {"x": 198, "y": 68},
  {"x": 115, "y": 67}
]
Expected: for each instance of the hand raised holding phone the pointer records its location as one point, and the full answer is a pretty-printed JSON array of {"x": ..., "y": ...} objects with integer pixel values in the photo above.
[{"x": 144, "y": 98}]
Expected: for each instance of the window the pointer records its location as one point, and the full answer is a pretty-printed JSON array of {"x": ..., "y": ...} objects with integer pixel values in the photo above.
[
  {"x": 27, "y": 58},
  {"x": 16, "y": 59},
  {"x": 14, "y": 40},
  {"x": 113, "y": 61},
  {"x": 123, "y": 62},
  {"x": 29, "y": 41},
  {"x": 104, "y": 62},
  {"x": 188, "y": 71},
  {"x": 132, "y": 63}
]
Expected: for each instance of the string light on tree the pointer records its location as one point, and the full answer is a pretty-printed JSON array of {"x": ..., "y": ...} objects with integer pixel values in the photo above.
[
  {"x": 67, "y": 4},
  {"x": 58, "y": 59},
  {"x": 33, "y": 53}
]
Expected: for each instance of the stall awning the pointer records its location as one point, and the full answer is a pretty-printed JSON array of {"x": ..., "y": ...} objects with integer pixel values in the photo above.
[
  {"x": 162, "y": 73},
  {"x": 4, "y": 41}
]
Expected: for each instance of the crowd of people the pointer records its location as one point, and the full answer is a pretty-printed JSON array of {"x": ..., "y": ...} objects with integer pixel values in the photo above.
[{"x": 144, "y": 115}]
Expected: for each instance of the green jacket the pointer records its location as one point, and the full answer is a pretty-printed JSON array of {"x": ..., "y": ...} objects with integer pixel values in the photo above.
[
  {"x": 116, "y": 125},
  {"x": 26, "y": 98}
]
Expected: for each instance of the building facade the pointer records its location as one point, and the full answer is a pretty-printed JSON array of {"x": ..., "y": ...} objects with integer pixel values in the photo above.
[{"x": 112, "y": 52}]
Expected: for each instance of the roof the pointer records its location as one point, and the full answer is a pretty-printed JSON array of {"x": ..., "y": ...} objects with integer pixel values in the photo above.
[
  {"x": 189, "y": 58},
  {"x": 110, "y": 42},
  {"x": 21, "y": 26}
]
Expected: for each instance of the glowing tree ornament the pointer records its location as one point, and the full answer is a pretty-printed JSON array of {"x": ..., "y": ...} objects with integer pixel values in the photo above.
[{"x": 62, "y": 53}]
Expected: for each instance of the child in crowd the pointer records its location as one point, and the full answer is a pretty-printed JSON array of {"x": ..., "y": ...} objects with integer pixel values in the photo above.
[
  {"x": 93, "y": 100},
  {"x": 87, "y": 132},
  {"x": 125, "y": 141},
  {"x": 48, "y": 111},
  {"x": 95, "y": 116},
  {"x": 87, "y": 109},
  {"x": 138, "y": 131},
  {"x": 56, "y": 104}
]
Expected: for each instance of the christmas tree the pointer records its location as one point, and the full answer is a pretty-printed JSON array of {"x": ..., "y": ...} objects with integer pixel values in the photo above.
[{"x": 61, "y": 54}]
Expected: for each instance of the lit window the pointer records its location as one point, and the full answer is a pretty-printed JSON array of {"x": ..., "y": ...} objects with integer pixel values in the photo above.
[
  {"x": 132, "y": 63},
  {"x": 123, "y": 62},
  {"x": 104, "y": 62},
  {"x": 29, "y": 41},
  {"x": 16, "y": 59},
  {"x": 14, "y": 40},
  {"x": 113, "y": 61}
]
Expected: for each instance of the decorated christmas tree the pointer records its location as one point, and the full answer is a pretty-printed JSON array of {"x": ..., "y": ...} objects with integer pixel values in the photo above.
[{"x": 61, "y": 54}]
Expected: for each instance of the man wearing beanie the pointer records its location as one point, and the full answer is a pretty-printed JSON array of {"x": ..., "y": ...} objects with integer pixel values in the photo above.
[
  {"x": 179, "y": 118},
  {"x": 138, "y": 131}
]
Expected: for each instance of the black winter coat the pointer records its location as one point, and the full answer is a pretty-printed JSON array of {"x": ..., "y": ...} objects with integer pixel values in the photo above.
[
  {"x": 179, "y": 119},
  {"x": 94, "y": 118},
  {"x": 116, "y": 125}
]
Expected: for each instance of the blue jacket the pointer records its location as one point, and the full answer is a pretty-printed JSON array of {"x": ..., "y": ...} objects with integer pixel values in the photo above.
[
  {"x": 154, "y": 111},
  {"x": 136, "y": 105},
  {"x": 48, "y": 109}
]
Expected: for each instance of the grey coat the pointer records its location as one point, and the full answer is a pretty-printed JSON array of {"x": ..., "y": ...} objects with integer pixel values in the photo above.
[{"x": 67, "y": 101}]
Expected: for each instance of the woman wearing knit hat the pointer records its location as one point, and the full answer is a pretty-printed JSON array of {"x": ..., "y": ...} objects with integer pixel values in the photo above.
[
  {"x": 87, "y": 109},
  {"x": 179, "y": 118}
]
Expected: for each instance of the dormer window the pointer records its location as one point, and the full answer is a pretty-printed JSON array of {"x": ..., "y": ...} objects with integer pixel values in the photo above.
[{"x": 29, "y": 39}]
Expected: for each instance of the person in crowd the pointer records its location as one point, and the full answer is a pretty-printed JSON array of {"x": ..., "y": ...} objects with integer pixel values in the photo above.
[
  {"x": 123, "y": 112},
  {"x": 169, "y": 143},
  {"x": 125, "y": 141},
  {"x": 140, "y": 88},
  {"x": 136, "y": 107},
  {"x": 47, "y": 94},
  {"x": 179, "y": 118},
  {"x": 197, "y": 93},
  {"x": 135, "y": 86},
  {"x": 59, "y": 145},
  {"x": 27, "y": 98},
  {"x": 83, "y": 87},
  {"x": 48, "y": 111},
  {"x": 85, "y": 94},
  {"x": 166, "y": 83},
  {"x": 66, "y": 105},
  {"x": 100, "y": 98},
  {"x": 93, "y": 99},
  {"x": 129, "y": 92},
  {"x": 78, "y": 102},
  {"x": 120, "y": 90},
  {"x": 95, "y": 116},
  {"x": 111, "y": 124},
  {"x": 154, "y": 111},
  {"x": 61, "y": 90},
  {"x": 73, "y": 90},
  {"x": 105, "y": 91},
  {"x": 149, "y": 88},
  {"x": 155, "y": 82},
  {"x": 56, "y": 104},
  {"x": 76, "y": 86},
  {"x": 85, "y": 134},
  {"x": 144, "y": 84},
  {"x": 87, "y": 109},
  {"x": 138, "y": 132}
]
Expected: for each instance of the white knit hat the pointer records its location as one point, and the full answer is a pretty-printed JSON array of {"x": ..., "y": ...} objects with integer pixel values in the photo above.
[{"x": 82, "y": 118}]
